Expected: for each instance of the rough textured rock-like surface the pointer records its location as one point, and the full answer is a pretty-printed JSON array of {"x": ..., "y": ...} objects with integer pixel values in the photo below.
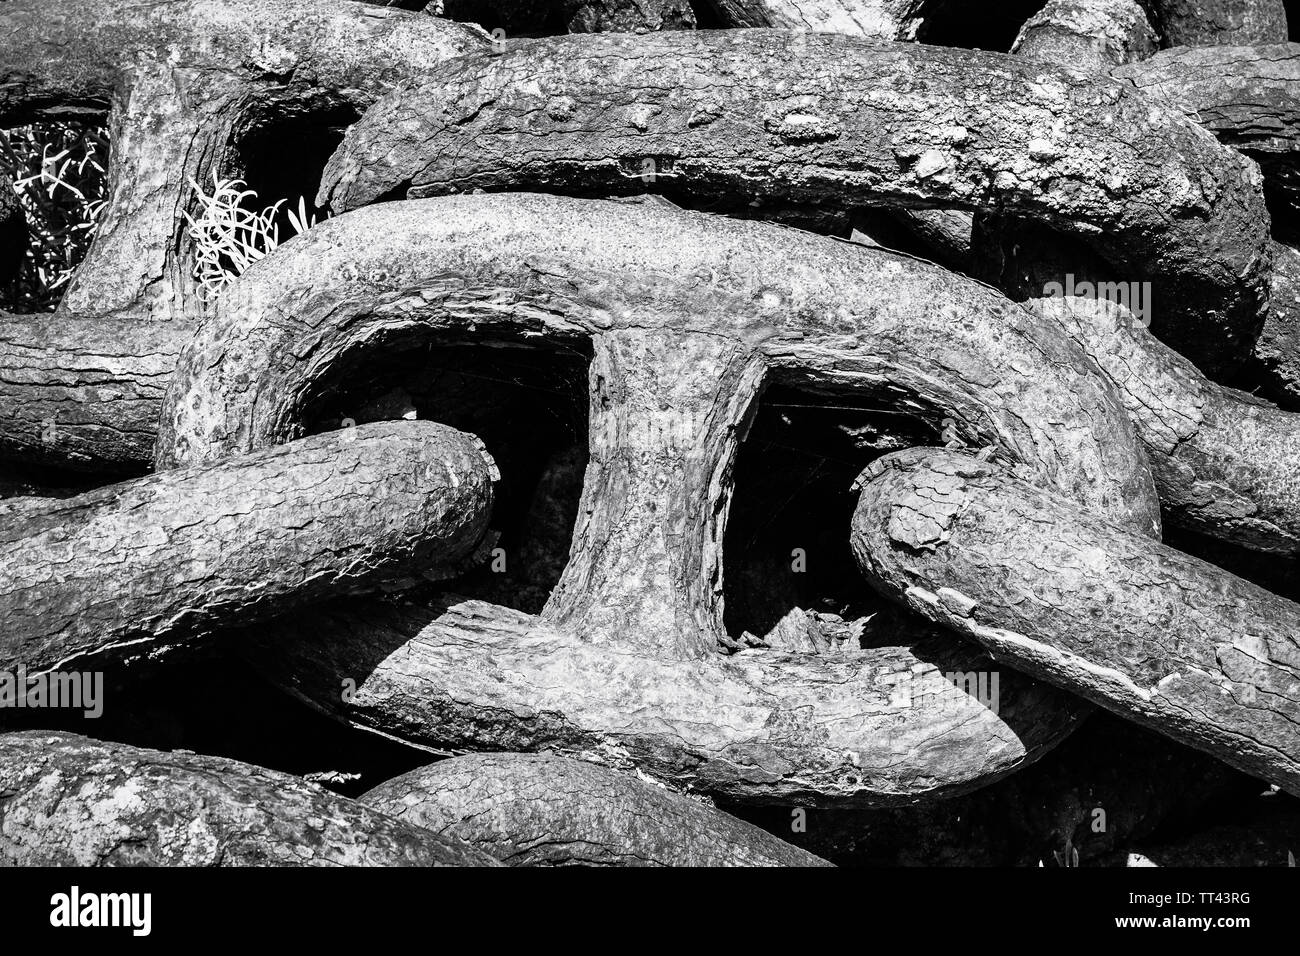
[
  {"x": 66, "y": 800},
  {"x": 875, "y": 19},
  {"x": 1226, "y": 464},
  {"x": 1087, "y": 34},
  {"x": 1221, "y": 22},
  {"x": 879, "y": 728},
  {"x": 843, "y": 121},
  {"x": 1141, "y": 629},
  {"x": 546, "y": 810},
  {"x": 1247, "y": 96},
  {"x": 85, "y": 392},
  {"x": 184, "y": 83},
  {"x": 1020, "y": 255},
  {"x": 543, "y": 17},
  {"x": 168, "y": 558}
]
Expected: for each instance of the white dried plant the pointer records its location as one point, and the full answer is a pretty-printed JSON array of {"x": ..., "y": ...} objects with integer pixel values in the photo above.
[{"x": 229, "y": 234}]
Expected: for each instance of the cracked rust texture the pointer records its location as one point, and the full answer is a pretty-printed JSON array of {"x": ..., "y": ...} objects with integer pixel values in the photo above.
[
  {"x": 759, "y": 726},
  {"x": 66, "y": 800},
  {"x": 1144, "y": 630},
  {"x": 152, "y": 562},
  {"x": 1087, "y": 34},
  {"x": 1225, "y": 463},
  {"x": 546, "y": 810}
]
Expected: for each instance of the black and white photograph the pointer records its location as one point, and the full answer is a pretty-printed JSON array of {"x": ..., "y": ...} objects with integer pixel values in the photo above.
[{"x": 486, "y": 434}]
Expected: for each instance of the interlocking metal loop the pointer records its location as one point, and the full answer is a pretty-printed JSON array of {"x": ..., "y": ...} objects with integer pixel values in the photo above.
[{"x": 684, "y": 335}]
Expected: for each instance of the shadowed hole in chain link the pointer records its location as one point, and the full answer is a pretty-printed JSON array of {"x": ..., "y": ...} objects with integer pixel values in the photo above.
[{"x": 527, "y": 402}]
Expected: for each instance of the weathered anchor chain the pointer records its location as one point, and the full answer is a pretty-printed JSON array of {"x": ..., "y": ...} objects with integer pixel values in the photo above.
[{"x": 1028, "y": 547}]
